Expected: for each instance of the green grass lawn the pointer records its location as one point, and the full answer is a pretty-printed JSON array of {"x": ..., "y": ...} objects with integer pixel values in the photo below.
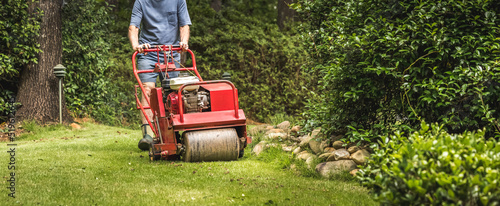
[{"x": 101, "y": 165}]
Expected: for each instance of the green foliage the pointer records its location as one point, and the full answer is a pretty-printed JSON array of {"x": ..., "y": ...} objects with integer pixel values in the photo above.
[
  {"x": 433, "y": 167},
  {"x": 265, "y": 63},
  {"x": 6, "y": 104},
  {"x": 387, "y": 63},
  {"x": 19, "y": 29},
  {"x": 86, "y": 54},
  {"x": 94, "y": 83}
]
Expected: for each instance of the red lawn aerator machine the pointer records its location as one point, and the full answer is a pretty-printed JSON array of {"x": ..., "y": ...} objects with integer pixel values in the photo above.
[{"x": 193, "y": 119}]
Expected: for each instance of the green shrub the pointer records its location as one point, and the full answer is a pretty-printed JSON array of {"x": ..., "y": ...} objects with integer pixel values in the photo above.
[
  {"x": 265, "y": 63},
  {"x": 86, "y": 55},
  {"x": 6, "y": 104},
  {"x": 99, "y": 82},
  {"x": 433, "y": 167},
  {"x": 19, "y": 29},
  {"x": 396, "y": 62}
]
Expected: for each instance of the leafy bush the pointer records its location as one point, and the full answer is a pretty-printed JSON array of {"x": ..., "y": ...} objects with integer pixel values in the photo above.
[
  {"x": 19, "y": 29},
  {"x": 86, "y": 53},
  {"x": 97, "y": 84},
  {"x": 265, "y": 63},
  {"x": 434, "y": 167},
  {"x": 396, "y": 62}
]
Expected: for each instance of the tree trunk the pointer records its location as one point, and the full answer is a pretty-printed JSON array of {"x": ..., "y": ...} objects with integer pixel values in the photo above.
[
  {"x": 216, "y": 5},
  {"x": 285, "y": 13},
  {"x": 38, "y": 86}
]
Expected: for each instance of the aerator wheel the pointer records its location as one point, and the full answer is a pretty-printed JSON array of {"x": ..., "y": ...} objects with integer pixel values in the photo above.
[{"x": 211, "y": 145}]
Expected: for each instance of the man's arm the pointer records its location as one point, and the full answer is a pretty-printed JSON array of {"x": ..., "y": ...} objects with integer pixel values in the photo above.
[
  {"x": 133, "y": 36},
  {"x": 184, "y": 32}
]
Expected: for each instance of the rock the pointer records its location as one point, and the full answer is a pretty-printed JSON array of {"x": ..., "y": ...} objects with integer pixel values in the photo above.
[
  {"x": 325, "y": 156},
  {"x": 323, "y": 145},
  {"x": 275, "y": 131},
  {"x": 286, "y": 148},
  {"x": 340, "y": 154},
  {"x": 284, "y": 125},
  {"x": 328, "y": 149},
  {"x": 304, "y": 155},
  {"x": 305, "y": 141},
  {"x": 353, "y": 149},
  {"x": 271, "y": 145},
  {"x": 360, "y": 157},
  {"x": 316, "y": 133},
  {"x": 269, "y": 127},
  {"x": 295, "y": 139},
  {"x": 297, "y": 150},
  {"x": 315, "y": 146},
  {"x": 353, "y": 172},
  {"x": 296, "y": 128},
  {"x": 326, "y": 169},
  {"x": 276, "y": 136},
  {"x": 302, "y": 137},
  {"x": 75, "y": 126},
  {"x": 258, "y": 148},
  {"x": 337, "y": 144},
  {"x": 310, "y": 161},
  {"x": 257, "y": 130}
]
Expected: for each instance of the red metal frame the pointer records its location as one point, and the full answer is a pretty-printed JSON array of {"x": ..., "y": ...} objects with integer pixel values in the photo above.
[{"x": 163, "y": 48}]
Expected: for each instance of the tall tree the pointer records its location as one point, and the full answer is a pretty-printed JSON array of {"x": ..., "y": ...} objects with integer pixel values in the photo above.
[
  {"x": 285, "y": 13},
  {"x": 38, "y": 86}
]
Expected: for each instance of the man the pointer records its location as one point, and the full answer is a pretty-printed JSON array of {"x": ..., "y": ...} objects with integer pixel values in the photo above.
[{"x": 164, "y": 22}]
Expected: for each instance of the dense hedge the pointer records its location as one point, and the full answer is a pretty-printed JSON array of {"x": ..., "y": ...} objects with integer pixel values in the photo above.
[
  {"x": 93, "y": 54},
  {"x": 265, "y": 63},
  {"x": 19, "y": 29},
  {"x": 432, "y": 167},
  {"x": 387, "y": 63}
]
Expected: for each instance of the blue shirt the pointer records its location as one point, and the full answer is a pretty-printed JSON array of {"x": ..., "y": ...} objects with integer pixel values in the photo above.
[{"x": 160, "y": 19}]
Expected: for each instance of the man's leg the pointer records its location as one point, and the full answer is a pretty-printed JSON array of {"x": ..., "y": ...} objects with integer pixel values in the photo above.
[
  {"x": 148, "y": 82},
  {"x": 148, "y": 86},
  {"x": 147, "y": 132}
]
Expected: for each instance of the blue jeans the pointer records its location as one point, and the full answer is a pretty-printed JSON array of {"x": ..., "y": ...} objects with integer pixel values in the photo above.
[{"x": 145, "y": 62}]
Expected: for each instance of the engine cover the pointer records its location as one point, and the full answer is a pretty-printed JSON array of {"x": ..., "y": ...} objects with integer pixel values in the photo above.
[{"x": 221, "y": 96}]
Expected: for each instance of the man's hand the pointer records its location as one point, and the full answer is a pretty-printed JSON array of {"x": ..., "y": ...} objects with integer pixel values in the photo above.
[
  {"x": 184, "y": 33},
  {"x": 133, "y": 36},
  {"x": 140, "y": 48},
  {"x": 184, "y": 46}
]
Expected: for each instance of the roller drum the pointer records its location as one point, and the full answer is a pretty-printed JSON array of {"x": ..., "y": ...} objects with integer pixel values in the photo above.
[{"x": 211, "y": 145}]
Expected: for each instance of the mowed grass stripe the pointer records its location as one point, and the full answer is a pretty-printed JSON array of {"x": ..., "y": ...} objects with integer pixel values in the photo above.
[{"x": 101, "y": 165}]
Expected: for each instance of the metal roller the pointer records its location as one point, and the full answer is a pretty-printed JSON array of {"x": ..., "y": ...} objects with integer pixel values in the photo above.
[{"x": 211, "y": 145}]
